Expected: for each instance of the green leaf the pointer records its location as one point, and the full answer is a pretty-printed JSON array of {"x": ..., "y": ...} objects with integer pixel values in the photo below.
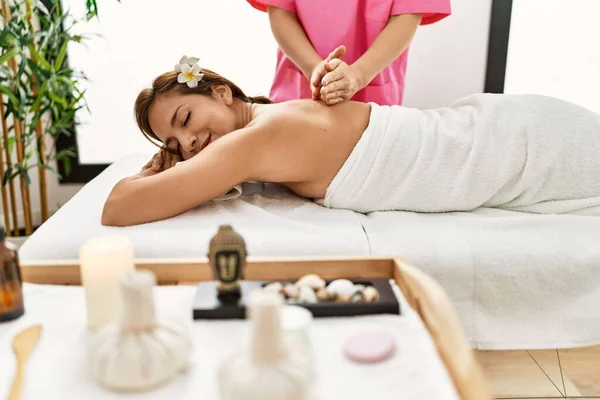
[
  {"x": 34, "y": 122},
  {"x": 30, "y": 130},
  {"x": 10, "y": 94},
  {"x": 67, "y": 165},
  {"x": 42, "y": 111},
  {"x": 12, "y": 172},
  {"x": 37, "y": 72},
  {"x": 10, "y": 144},
  {"x": 40, "y": 96},
  {"x": 4, "y": 35},
  {"x": 7, "y": 176},
  {"x": 23, "y": 172},
  {"x": 5, "y": 73},
  {"x": 66, "y": 131},
  {"x": 58, "y": 100},
  {"x": 61, "y": 56},
  {"x": 10, "y": 40},
  {"x": 38, "y": 152},
  {"x": 92, "y": 9},
  {"x": 77, "y": 99},
  {"x": 39, "y": 58},
  {"x": 49, "y": 168},
  {"x": 9, "y": 111},
  {"x": 42, "y": 7},
  {"x": 8, "y": 55},
  {"x": 22, "y": 66},
  {"x": 66, "y": 153}
]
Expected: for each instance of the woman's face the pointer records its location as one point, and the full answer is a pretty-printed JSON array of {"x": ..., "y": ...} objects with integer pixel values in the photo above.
[{"x": 194, "y": 121}]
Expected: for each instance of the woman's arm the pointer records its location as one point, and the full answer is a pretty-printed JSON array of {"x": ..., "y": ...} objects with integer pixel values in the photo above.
[
  {"x": 344, "y": 80},
  {"x": 292, "y": 40},
  {"x": 151, "y": 196}
]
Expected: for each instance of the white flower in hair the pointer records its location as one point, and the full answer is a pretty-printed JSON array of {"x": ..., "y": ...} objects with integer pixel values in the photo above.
[{"x": 189, "y": 71}]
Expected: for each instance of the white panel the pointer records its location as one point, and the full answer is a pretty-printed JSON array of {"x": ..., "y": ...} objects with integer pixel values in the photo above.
[
  {"x": 448, "y": 59},
  {"x": 554, "y": 49}
]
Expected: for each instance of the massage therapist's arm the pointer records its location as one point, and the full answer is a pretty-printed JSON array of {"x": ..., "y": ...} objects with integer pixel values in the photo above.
[
  {"x": 151, "y": 196},
  {"x": 292, "y": 40},
  {"x": 392, "y": 41},
  {"x": 343, "y": 80}
]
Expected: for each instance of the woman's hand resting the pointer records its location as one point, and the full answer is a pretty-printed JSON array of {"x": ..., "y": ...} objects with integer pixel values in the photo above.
[{"x": 167, "y": 157}]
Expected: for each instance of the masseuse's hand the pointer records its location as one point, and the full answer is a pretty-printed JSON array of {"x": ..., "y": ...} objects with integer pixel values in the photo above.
[
  {"x": 320, "y": 71},
  {"x": 340, "y": 82},
  {"x": 167, "y": 157}
]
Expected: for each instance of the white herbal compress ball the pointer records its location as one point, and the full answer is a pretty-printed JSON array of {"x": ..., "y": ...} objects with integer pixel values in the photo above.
[
  {"x": 139, "y": 352},
  {"x": 271, "y": 368}
]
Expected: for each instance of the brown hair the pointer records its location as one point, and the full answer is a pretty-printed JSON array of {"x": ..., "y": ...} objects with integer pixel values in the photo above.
[{"x": 167, "y": 83}]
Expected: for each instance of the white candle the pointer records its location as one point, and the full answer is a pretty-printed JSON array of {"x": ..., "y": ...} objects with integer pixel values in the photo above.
[{"x": 102, "y": 260}]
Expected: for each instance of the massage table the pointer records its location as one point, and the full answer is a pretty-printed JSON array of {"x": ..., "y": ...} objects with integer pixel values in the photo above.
[{"x": 517, "y": 280}]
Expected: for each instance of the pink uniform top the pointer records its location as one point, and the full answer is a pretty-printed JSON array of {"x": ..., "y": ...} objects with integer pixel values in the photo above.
[{"x": 354, "y": 24}]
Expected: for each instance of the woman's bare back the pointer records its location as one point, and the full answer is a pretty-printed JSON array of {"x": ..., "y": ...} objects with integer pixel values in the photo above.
[{"x": 302, "y": 144}]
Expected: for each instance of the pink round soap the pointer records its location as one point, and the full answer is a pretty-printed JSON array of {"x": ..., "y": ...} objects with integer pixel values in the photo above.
[{"x": 370, "y": 347}]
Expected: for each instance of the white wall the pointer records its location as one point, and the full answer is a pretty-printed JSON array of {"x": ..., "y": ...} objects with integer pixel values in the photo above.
[
  {"x": 561, "y": 56},
  {"x": 447, "y": 61}
]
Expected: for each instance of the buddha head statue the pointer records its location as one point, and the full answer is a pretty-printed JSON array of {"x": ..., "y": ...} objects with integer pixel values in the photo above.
[{"x": 227, "y": 256}]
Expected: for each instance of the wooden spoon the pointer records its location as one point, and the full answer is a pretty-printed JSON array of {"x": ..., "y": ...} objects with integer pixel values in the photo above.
[{"x": 23, "y": 344}]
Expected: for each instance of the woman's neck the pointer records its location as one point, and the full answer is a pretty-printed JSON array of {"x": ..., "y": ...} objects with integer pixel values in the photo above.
[{"x": 245, "y": 112}]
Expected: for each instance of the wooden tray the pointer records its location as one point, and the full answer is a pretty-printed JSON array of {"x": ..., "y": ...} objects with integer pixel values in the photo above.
[{"x": 421, "y": 292}]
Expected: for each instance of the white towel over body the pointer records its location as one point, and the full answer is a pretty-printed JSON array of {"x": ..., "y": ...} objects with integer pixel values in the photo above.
[{"x": 517, "y": 152}]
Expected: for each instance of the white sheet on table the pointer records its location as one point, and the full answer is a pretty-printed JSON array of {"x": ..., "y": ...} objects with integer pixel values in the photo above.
[
  {"x": 57, "y": 368},
  {"x": 272, "y": 220},
  {"x": 518, "y": 280}
]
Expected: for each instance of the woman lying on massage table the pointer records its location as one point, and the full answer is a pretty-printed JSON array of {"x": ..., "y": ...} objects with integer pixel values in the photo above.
[{"x": 518, "y": 152}]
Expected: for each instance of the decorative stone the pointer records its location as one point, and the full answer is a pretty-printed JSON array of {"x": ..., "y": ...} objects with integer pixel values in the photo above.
[
  {"x": 370, "y": 294},
  {"x": 354, "y": 297},
  {"x": 313, "y": 281},
  {"x": 341, "y": 288},
  {"x": 357, "y": 297},
  {"x": 323, "y": 295},
  {"x": 290, "y": 291},
  {"x": 340, "y": 291},
  {"x": 307, "y": 295}
]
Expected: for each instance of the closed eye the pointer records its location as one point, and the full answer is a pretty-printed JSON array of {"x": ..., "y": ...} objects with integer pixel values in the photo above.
[{"x": 187, "y": 119}]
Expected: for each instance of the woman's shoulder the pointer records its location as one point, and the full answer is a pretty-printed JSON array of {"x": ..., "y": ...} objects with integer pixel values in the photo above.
[
  {"x": 286, "y": 112},
  {"x": 304, "y": 113}
]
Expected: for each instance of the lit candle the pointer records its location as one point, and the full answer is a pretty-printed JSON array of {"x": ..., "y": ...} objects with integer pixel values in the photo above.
[{"x": 102, "y": 260}]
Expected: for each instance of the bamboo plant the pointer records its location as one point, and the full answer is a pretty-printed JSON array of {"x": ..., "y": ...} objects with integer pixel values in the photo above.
[{"x": 39, "y": 99}]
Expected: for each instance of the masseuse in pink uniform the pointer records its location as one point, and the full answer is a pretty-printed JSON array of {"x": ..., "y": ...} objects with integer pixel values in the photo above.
[{"x": 341, "y": 49}]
